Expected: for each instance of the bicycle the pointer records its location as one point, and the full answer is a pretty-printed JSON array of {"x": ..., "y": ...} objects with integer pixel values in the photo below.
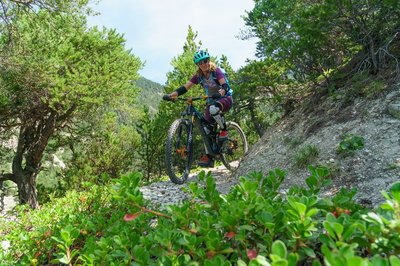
[{"x": 180, "y": 142}]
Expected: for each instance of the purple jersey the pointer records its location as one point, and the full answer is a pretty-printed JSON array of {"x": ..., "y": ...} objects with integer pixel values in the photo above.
[{"x": 209, "y": 84}]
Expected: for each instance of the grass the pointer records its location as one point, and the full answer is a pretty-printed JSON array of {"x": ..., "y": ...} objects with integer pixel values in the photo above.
[{"x": 306, "y": 155}]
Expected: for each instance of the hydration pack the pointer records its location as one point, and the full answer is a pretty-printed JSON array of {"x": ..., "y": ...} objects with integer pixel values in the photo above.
[{"x": 214, "y": 76}]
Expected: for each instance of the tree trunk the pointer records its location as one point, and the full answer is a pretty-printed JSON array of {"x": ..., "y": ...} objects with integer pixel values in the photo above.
[
  {"x": 32, "y": 141},
  {"x": 27, "y": 192},
  {"x": 373, "y": 55}
]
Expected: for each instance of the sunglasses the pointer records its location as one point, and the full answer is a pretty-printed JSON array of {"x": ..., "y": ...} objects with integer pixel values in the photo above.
[{"x": 203, "y": 62}]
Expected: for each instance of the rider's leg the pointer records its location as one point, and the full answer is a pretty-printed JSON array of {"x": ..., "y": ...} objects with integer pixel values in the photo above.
[
  {"x": 217, "y": 110},
  {"x": 216, "y": 113},
  {"x": 213, "y": 114},
  {"x": 206, "y": 160}
]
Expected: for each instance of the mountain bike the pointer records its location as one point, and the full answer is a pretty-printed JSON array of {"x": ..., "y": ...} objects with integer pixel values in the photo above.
[{"x": 180, "y": 142}]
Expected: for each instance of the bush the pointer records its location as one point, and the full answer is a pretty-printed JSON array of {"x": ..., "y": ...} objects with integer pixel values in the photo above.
[
  {"x": 350, "y": 144},
  {"x": 252, "y": 225}
]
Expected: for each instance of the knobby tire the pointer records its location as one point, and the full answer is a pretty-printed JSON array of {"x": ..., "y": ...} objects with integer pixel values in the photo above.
[
  {"x": 235, "y": 147},
  {"x": 179, "y": 151}
]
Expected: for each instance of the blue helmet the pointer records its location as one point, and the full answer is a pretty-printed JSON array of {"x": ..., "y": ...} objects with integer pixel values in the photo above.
[{"x": 200, "y": 55}]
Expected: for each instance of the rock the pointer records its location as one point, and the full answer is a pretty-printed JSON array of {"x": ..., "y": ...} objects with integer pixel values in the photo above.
[
  {"x": 162, "y": 194},
  {"x": 370, "y": 169},
  {"x": 394, "y": 110}
]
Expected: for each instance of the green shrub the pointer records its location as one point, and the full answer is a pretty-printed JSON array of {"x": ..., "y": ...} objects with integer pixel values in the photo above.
[
  {"x": 350, "y": 144},
  {"x": 254, "y": 224}
]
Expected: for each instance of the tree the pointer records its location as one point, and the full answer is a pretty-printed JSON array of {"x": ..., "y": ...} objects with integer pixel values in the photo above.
[
  {"x": 315, "y": 37},
  {"x": 260, "y": 85},
  {"x": 57, "y": 74},
  {"x": 150, "y": 143}
]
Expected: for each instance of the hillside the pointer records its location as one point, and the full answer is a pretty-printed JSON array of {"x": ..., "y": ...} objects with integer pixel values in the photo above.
[
  {"x": 369, "y": 110},
  {"x": 150, "y": 94}
]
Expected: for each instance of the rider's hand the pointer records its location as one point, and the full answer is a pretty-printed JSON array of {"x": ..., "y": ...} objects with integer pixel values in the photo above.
[
  {"x": 222, "y": 92},
  {"x": 170, "y": 97},
  {"x": 167, "y": 97}
]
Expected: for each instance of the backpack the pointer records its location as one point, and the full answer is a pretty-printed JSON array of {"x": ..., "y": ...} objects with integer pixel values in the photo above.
[{"x": 214, "y": 76}]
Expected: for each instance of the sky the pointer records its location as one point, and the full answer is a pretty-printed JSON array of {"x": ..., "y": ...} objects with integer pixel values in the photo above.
[{"x": 156, "y": 30}]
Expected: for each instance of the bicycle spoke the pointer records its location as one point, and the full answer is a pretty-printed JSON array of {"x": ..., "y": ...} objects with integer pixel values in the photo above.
[
  {"x": 178, "y": 152},
  {"x": 235, "y": 147}
]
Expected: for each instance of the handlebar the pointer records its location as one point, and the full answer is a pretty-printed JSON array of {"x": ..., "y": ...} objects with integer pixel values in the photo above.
[{"x": 166, "y": 97}]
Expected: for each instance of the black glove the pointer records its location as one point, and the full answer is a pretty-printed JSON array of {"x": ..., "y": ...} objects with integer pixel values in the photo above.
[
  {"x": 166, "y": 97},
  {"x": 216, "y": 95}
]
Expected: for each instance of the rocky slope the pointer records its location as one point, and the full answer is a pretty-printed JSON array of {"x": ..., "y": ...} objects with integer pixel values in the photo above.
[{"x": 321, "y": 122}]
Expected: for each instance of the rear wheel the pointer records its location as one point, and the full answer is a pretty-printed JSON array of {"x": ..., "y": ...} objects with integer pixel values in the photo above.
[
  {"x": 179, "y": 151},
  {"x": 235, "y": 147}
]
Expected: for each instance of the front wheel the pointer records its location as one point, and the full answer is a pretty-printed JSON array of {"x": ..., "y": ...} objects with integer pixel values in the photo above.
[
  {"x": 179, "y": 151},
  {"x": 235, "y": 147}
]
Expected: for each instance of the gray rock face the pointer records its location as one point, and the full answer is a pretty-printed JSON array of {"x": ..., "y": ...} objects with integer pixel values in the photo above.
[{"x": 394, "y": 110}]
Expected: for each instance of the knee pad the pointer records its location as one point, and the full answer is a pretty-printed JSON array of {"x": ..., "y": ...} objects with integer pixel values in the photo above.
[
  {"x": 216, "y": 114},
  {"x": 214, "y": 110}
]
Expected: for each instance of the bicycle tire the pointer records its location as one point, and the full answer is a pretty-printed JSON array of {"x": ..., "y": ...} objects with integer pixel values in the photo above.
[
  {"x": 235, "y": 147},
  {"x": 179, "y": 151}
]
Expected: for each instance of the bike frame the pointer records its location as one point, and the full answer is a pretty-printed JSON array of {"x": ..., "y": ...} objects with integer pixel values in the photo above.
[{"x": 195, "y": 119}]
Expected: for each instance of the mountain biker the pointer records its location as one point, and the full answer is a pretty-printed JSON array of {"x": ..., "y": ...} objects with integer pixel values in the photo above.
[{"x": 217, "y": 105}]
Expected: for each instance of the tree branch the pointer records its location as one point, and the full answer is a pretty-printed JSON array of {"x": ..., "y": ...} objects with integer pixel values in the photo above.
[{"x": 7, "y": 176}]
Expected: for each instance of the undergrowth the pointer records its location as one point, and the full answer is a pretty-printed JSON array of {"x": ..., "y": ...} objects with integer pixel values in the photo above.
[{"x": 252, "y": 225}]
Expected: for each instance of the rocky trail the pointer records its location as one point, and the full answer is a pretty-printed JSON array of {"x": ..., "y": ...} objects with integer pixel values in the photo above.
[
  {"x": 166, "y": 193},
  {"x": 160, "y": 194}
]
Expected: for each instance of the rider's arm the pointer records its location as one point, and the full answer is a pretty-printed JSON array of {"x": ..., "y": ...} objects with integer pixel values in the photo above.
[
  {"x": 224, "y": 86},
  {"x": 181, "y": 90},
  {"x": 222, "y": 82}
]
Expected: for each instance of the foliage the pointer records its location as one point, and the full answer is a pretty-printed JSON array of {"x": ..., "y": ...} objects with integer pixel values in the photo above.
[
  {"x": 260, "y": 94},
  {"x": 350, "y": 144},
  {"x": 55, "y": 79},
  {"x": 306, "y": 155},
  {"x": 252, "y": 225},
  {"x": 314, "y": 38},
  {"x": 107, "y": 154},
  {"x": 151, "y": 145}
]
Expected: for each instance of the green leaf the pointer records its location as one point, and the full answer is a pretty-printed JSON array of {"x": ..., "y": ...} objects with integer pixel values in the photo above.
[
  {"x": 395, "y": 191},
  {"x": 338, "y": 229},
  {"x": 311, "y": 182},
  {"x": 316, "y": 263},
  {"x": 312, "y": 212},
  {"x": 379, "y": 261},
  {"x": 394, "y": 261},
  {"x": 280, "y": 263},
  {"x": 293, "y": 259},
  {"x": 64, "y": 259},
  {"x": 373, "y": 217},
  {"x": 309, "y": 252},
  {"x": 279, "y": 248},
  {"x": 241, "y": 263},
  {"x": 262, "y": 260},
  {"x": 357, "y": 261},
  {"x": 246, "y": 227}
]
